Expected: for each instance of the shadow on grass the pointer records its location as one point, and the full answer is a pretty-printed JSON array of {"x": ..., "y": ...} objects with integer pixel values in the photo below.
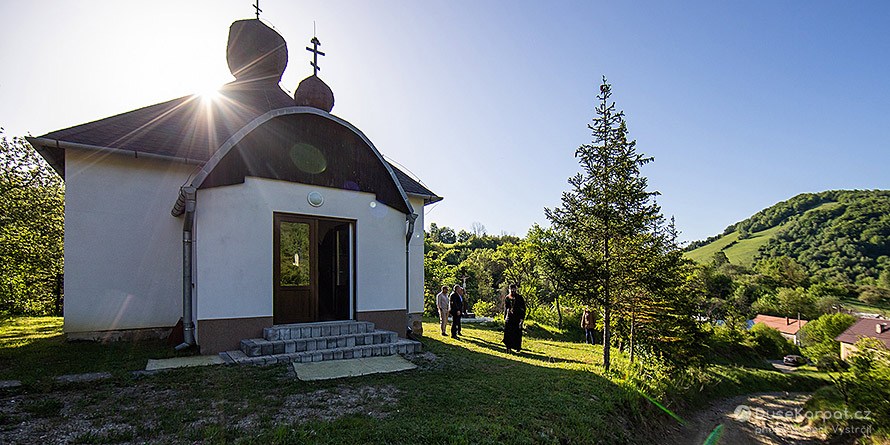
[
  {"x": 46, "y": 357},
  {"x": 465, "y": 391},
  {"x": 498, "y": 347}
]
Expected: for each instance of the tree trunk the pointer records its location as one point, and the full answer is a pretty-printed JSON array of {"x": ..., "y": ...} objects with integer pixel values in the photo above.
[
  {"x": 607, "y": 318},
  {"x": 632, "y": 318},
  {"x": 558, "y": 312}
]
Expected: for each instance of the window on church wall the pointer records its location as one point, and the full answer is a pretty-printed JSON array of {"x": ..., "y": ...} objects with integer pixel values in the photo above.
[{"x": 294, "y": 254}]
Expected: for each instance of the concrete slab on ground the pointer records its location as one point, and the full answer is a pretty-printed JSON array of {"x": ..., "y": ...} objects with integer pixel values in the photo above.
[
  {"x": 182, "y": 362},
  {"x": 335, "y": 369},
  {"x": 473, "y": 320}
]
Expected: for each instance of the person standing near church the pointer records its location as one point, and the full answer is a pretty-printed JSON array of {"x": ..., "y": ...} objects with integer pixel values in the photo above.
[
  {"x": 457, "y": 306},
  {"x": 514, "y": 314},
  {"x": 588, "y": 323},
  {"x": 442, "y": 304}
]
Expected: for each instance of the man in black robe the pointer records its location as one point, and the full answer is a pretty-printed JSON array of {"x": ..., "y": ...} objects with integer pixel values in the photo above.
[
  {"x": 514, "y": 314},
  {"x": 457, "y": 306}
]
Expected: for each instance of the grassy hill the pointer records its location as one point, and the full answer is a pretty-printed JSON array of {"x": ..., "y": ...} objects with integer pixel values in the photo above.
[
  {"x": 737, "y": 251},
  {"x": 842, "y": 235}
]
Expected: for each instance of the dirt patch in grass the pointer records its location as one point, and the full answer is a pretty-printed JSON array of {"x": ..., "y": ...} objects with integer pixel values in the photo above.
[
  {"x": 331, "y": 404},
  {"x": 146, "y": 412}
]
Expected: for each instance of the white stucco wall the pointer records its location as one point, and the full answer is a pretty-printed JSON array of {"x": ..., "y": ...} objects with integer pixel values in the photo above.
[
  {"x": 123, "y": 249},
  {"x": 234, "y": 247}
]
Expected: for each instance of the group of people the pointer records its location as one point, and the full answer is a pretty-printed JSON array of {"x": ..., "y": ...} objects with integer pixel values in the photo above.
[{"x": 514, "y": 314}]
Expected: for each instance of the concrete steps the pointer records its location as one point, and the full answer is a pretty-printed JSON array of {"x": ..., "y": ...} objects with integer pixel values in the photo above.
[{"x": 315, "y": 342}]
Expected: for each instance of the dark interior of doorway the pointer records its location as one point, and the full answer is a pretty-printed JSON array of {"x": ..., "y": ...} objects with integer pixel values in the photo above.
[{"x": 333, "y": 270}]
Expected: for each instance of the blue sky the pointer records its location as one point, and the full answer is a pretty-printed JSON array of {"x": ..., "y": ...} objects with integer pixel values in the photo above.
[{"x": 742, "y": 104}]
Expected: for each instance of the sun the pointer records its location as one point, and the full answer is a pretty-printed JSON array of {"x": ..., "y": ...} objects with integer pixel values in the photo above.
[{"x": 209, "y": 93}]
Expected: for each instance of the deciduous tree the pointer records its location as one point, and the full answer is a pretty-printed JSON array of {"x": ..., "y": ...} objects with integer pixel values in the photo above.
[{"x": 31, "y": 231}]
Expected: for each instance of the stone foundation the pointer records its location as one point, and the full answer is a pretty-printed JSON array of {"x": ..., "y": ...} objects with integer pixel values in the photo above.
[
  {"x": 121, "y": 335},
  {"x": 416, "y": 324}
]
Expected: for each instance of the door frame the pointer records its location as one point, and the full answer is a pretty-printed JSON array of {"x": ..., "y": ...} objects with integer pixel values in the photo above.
[{"x": 314, "y": 241}]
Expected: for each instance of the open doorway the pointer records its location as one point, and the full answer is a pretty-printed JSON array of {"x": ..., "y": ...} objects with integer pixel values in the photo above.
[{"x": 314, "y": 267}]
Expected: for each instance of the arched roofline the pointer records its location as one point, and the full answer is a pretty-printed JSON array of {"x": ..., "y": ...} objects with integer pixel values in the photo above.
[{"x": 233, "y": 140}]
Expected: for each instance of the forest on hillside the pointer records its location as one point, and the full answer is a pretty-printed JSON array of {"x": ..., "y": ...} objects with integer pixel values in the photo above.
[{"x": 841, "y": 236}]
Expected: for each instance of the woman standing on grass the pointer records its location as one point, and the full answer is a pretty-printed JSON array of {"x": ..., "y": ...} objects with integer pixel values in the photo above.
[{"x": 514, "y": 314}]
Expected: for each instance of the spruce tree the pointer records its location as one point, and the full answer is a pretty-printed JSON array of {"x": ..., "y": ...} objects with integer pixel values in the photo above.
[{"x": 605, "y": 213}]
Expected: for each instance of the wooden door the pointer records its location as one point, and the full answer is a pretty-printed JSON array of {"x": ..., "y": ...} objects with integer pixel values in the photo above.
[{"x": 295, "y": 276}]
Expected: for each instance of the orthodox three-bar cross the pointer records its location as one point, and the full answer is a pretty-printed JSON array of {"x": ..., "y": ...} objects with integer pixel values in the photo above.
[
  {"x": 315, "y": 53},
  {"x": 256, "y": 5}
]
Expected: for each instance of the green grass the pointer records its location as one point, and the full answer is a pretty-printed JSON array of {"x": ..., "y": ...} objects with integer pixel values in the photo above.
[
  {"x": 33, "y": 348},
  {"x": 742, "y": 252},
  {"x": 464, "y": 391},
  {"x": 858, "y": 306}
]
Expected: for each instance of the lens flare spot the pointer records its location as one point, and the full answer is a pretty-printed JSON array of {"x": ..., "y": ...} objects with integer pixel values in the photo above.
[
  {"x": 308, "y": 158},
  {"x": 378, "y": 209}
]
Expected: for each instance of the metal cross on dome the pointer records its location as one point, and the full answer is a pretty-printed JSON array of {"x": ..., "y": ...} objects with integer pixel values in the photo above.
[
  {"x": 256, "y": 5},
  {"x": 315, "y": 53}
]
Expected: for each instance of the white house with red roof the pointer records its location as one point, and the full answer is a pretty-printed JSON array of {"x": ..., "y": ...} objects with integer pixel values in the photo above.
[
  {"x": 788, "y": 327},
  {"x": 237, "y": 214}
]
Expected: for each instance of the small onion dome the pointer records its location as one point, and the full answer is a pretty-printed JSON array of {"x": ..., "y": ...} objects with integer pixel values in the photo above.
[
  {"x": 255, "y": 51},
  {"x": 313, "y": 92}
]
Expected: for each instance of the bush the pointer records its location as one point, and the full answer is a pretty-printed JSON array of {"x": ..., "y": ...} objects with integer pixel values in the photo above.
[
  {"x": 547, "y": 315},
  {"x": 818, "y": 335},
  {"x": 769, "y": 343},
  {"x": 831, "y": 363},
  {"x": 484, "y": 308},
  {"x": 728, "y": 345}
]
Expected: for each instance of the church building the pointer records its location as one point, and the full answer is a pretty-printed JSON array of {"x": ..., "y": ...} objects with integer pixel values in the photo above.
[{"x": 251, "y": 210}]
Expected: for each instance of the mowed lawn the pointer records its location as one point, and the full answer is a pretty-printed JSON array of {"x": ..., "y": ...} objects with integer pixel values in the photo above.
[{"x": 463, "y": 391}]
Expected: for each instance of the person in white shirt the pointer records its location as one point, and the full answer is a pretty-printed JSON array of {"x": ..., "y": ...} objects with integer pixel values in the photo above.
[{"x": 442, "y": 304}]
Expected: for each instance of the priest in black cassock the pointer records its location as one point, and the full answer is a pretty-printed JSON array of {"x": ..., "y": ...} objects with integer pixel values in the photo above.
[
  {"x": 457, "y": 307},
  {"x": 514, "y": 314}
]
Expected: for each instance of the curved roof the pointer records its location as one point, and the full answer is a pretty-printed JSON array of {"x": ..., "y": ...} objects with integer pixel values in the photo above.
[
  {"x": 197, "y": 131},
  {"x": 305, "y": 145}
]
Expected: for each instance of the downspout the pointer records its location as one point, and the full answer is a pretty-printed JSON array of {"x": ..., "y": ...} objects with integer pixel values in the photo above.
[
  {"x": 188, "y": 195},
  {"x": 410, "y": 217}
]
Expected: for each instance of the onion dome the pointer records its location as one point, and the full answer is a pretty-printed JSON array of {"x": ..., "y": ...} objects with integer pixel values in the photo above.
[
  {"x": 255, "y": 51},
  {"x": 313, "y": 92}
]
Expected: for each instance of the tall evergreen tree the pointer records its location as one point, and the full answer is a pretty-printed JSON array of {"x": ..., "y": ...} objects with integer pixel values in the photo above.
[{"x": 606, "y": 211}]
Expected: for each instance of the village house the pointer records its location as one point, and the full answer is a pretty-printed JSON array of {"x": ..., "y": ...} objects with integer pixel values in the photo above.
[
  {"x": 788, "y": 327},
  {"x": 237, "y": 213},
  {"x": 864, "y": 328}
]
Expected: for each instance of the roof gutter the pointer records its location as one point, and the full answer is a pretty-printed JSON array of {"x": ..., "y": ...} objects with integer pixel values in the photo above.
[{"x": 58, "y": 165}]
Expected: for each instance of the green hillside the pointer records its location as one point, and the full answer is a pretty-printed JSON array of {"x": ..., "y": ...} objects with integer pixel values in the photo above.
[
  {"x": 842, "y": 235},
  {"x": 737, "y": 251}
]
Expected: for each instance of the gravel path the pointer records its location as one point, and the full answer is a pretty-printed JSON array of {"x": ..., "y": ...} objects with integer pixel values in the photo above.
[{"x": 770, "y": 418}]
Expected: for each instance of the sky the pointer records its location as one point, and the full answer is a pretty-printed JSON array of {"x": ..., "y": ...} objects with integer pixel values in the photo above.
[{"x": 742, "y": 104}]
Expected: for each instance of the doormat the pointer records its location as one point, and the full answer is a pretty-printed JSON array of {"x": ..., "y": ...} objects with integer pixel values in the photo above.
[
  {"x": 183, "y": 362},
  {"x": 335, "y": 369}
]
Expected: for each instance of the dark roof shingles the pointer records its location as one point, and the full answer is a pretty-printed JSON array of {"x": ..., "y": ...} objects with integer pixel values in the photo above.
[
  {"x": 865, "y": 328},
  {"x": 190, "y": 128}
]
